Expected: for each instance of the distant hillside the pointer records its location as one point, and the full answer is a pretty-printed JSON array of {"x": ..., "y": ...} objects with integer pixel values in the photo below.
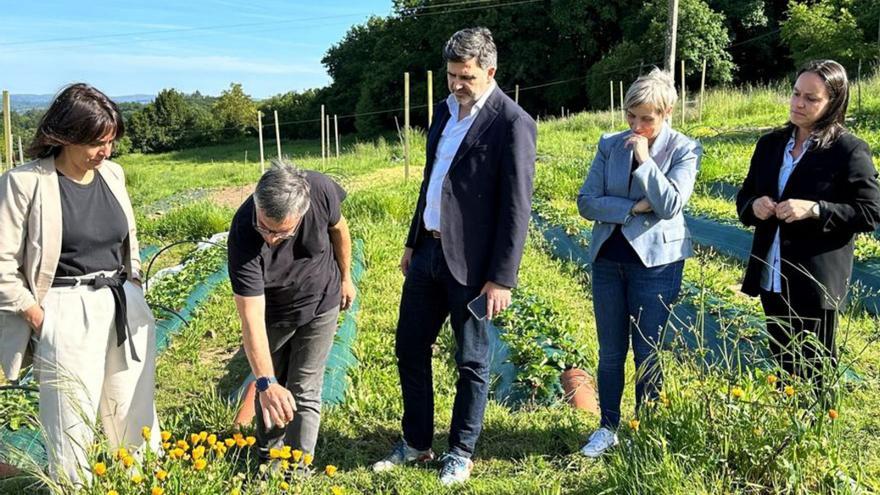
[{"x": 22, "y": 103}]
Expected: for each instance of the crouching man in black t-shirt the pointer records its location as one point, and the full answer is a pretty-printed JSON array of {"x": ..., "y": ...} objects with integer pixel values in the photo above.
[{"x": 289, "y": 264}]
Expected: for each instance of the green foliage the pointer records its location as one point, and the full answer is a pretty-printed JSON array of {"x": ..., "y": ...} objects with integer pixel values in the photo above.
[
  {"x": 827, "y": 29},
  {"x": 198, "y": 220},
  {"x": 234, "y": 111},
  {"x": 171, "y": 291},
  {"x": 169, "y": 122}
]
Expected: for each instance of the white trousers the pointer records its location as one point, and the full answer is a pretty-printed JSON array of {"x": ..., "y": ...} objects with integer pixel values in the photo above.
[{"x": 84, "y": 374}]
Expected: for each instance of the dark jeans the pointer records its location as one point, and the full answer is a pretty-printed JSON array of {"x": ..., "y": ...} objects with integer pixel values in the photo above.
[
  {"x": 630, "y": 301},
  {"x": 299, "y": 357},
  {"x": 430, "y": 294},
  {"x": 801, "y": 336}
]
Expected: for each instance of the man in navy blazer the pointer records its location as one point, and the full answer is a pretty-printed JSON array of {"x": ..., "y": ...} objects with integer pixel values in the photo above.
[{"x": 466, "y": 239}]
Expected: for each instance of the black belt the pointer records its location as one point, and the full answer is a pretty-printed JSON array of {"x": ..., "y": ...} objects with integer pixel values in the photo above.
[
  {"x": 116, "y": 284},
  {"x": 435, "y": 234}
]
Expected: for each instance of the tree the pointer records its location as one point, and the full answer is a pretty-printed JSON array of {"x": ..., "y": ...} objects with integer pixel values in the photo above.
[
  {"x": 235, "y": 112},
  {"x": 827, "y": 29}
]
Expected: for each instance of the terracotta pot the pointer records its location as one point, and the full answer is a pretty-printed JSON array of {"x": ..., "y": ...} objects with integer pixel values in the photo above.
[
  {"x": 8, "y": 471},
  {"x": 580, "y": 389},
  {"x": 245, "y": 415}
]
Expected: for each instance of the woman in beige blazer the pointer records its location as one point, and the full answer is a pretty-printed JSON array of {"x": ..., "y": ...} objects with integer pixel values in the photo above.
[{"x": 70, "y": 285}]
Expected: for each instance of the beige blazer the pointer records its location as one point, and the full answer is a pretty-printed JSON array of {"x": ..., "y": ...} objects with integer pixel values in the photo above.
[{"x": 30, "y": 246}]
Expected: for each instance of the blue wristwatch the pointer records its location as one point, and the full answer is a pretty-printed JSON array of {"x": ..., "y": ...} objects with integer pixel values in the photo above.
[{"x": 263, "y": 382}]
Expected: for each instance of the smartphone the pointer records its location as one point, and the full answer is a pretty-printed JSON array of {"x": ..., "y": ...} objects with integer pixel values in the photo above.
[{"x": 477, "y": 307}]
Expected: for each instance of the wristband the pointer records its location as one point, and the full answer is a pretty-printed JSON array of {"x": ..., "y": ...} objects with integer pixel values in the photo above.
[{"x": 263, "y": 382}]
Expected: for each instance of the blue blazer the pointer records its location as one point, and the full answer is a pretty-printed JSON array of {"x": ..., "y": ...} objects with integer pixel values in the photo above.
[
  {"x": 487, "y": 193},
  {"x": 666, "y": 180}
]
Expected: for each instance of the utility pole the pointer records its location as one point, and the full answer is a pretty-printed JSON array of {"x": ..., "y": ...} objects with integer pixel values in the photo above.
[{"x": 671, "y": 35}]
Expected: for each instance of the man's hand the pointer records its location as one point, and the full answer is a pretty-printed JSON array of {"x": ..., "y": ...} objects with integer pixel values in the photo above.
[
  {"x": 642, "y": 206},
  {"x": 764, "y": 207},
  {"x": 639, "y": 145},
  {"x": 349, "y": 292},
  {"x": 278, "y": 406},
  {"x": 405, "y": 260},
  {"x": 34, "y": 317},
  {"x": 793, "y": 210},
  {"x": 497, "y": 298}
]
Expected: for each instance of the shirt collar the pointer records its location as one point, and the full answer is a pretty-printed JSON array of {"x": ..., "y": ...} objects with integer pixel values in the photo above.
[
  {"x": 793, "y": 139},
  {"x": 454, "y": 107}
]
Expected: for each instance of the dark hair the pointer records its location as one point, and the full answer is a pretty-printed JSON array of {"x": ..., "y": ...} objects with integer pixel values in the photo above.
[
  {"x": 80, "y": 114},
  {"x": 831, "y": 125},
  {"x": 472, "y": 43}
]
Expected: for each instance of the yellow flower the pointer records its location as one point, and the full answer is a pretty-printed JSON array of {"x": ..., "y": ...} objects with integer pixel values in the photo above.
[
  {"x": 241, "y": 443},
  {"x": 128, "y": 461},
  {"x": 203, "y": 435},
  {"x": 161, "y": 474},
  {"x": 330, "y": 470},
  {"x": 772, "y": 379},
  {"x": 832, "y": 413},
  {"x": 285, "y": 465},
  {"x": 137, "y": 479},
  {"x": 229, "y": 442},
  {"x": 99, "y": 469},
  {"x": 194, "y": 438},
  {"x": 121, "y": 453},
  {"x": 181, "y": 444},
  {"x": 634, "y": 424},
  {"x": 250, "y": 441},
  {"x": 285, "y": 453},
  {"x": 337, "y": 490},
  {"x": 166, "y": 435},
  {"x": 177, "y": 453},
  {"x": 157, "y": 490},
  {"x": 235, "y": 491},
  {"x": 307, "y": 459},
  {"x": 789, "y": 390},
  {"x": 737, "y": 393},
  {"x": 112, "y": 492},
  {"x": 198, "y": 452},
  {"x": 146, "y": 433},
  {"x": 166, "y": 445},
  {"x": 274, "y": 453},
  {"x": 200, "y": 464},
  {"x": 212, "y": 439},
  {"x": 297, "y": 455},
  {"x": 284, "y": 486},
  {"x": 237, "y": 436}
]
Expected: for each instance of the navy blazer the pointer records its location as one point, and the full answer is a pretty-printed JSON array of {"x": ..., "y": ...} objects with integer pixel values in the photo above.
[
  {"x": 817, "y": 254},
  {"x": 486, "y": 195}
]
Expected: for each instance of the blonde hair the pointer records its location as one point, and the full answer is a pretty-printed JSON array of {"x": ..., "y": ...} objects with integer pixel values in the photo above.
[{"x": 657, "y": 89}]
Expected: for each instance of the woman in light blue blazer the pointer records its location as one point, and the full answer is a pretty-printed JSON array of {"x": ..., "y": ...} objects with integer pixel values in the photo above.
[{"x": 635, "y": 192}]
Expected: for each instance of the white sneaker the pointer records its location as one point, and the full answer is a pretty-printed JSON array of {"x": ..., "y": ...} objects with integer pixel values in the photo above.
[
  {"x": 402, "y": 454},
  {"x": 600, "y": 441}
]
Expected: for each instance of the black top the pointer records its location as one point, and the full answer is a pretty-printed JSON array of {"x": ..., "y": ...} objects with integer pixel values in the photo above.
[
  {"x": 93, "y": 228},
  {"x": 616, "y": 248},
  {"x": 817, "y": 254},
  {"x": 299, "y": 276},
  {"x": 487, "y": 193}
]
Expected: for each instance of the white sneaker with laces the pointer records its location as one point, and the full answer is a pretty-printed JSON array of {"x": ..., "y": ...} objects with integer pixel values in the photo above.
[
  {"x": 600, "y": 441},
  {"x": 402, "y": 454}
]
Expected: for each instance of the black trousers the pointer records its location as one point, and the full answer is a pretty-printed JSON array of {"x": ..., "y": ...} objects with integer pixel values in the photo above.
[{"x": 802, "y": 338}]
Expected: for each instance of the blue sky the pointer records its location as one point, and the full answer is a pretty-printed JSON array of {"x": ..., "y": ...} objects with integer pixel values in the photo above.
[{"x": 125, "y": 48}]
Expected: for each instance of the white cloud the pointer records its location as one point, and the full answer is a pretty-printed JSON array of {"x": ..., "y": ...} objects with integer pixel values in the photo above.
[{"x": 210, "y": 64}]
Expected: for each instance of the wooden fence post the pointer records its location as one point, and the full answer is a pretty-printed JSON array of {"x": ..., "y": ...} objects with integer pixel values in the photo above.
[
  {"x": 702, "y": 89},
  {"x": 612, "y": 103},
  {"x": 620, "y": 102},
  {"x": 430, "y": 98},
  {"x": 336, "y": 132},
  {"x": 406, "y": 124},
  {"x": 323, "y": 138},
  {"x": 683, "y": 95},
  {"x": 516, "y": 94},
  {"x": 277, "y": 135},
  {"x": 260, "y": 133},
  {"x": 7, "y": 127}
]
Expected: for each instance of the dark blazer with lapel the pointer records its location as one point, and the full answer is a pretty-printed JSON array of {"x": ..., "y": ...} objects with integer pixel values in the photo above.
[
  {"x": 486, "y": 195},
  {"x": 817, "y": 254}
]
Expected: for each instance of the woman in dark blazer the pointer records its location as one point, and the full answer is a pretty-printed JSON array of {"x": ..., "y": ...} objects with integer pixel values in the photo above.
[{"x": 810, "y": 188}]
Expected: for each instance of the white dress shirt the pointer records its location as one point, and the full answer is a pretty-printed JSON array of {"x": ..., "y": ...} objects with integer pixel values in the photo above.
[
  {"x": 450, "y": 140},
  {"x": 771, "y": 276}
]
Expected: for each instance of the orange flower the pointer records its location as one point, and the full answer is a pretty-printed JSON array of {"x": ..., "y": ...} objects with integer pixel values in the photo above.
[
  {"x": 772, "y": 379},
  {"x": 181, "y": 444},
  {"x": 166, "y": 435},
  {"x": 250, "y": 441},
  {"x": 229, "y": 442},
  {"x": 789, "y": 390},
  {"x": 832, "y": 413},
  {"x": 128, "y": 461},
  {"x": 121, "y": 453},
  {"x": 161, "y": 474},
  {"x": 241, "y": 443},
  {"x": 157, "y": 490},
  {"x": 330, "y": 470},
  {"x": 737, "y": 393},
  {"x": 100, "y": 469},
  {"x": 194, "y": 438},
  {"x": 200, "y": 464}
]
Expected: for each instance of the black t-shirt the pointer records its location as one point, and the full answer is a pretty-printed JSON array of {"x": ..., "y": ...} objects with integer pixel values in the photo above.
[
  {"x": 93, "y": 228},
  {"x": 616, "y": 248},
  {"x": 299, "y": 277}
]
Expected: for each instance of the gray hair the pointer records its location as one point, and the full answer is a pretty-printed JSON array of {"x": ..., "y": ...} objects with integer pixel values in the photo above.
[
  {"x": 472, "y": 43},
  {"x": 657, "y": 89},
  {"x": 282, "y": 191}
]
